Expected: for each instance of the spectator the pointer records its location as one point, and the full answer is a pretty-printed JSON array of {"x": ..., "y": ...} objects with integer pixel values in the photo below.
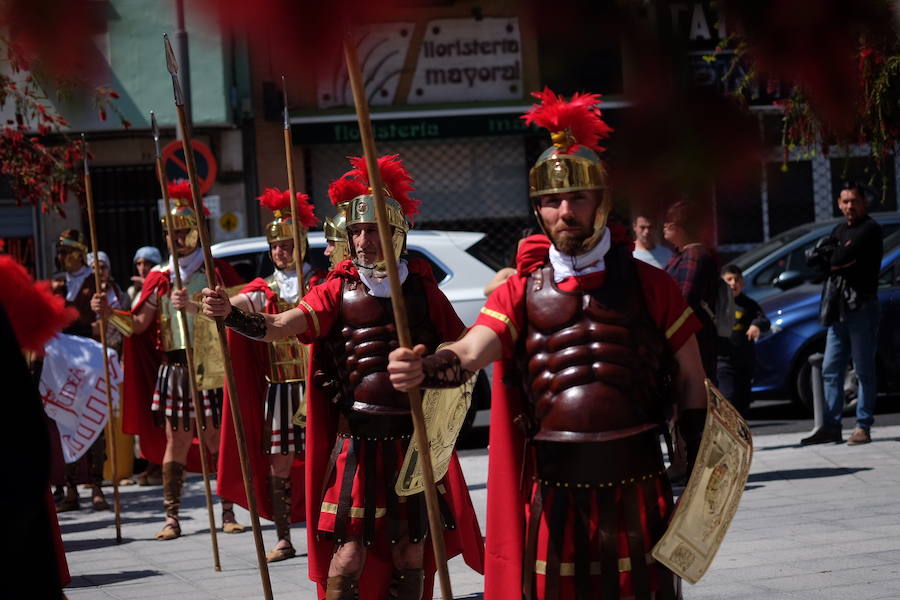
[
  {"x": 851, "y": 291},
  {"x": 695, "y": 271},
  {"x": 646, "y": 247},
  {"x": 145, "y": 259},
  {"x": 736, "y": 356}
]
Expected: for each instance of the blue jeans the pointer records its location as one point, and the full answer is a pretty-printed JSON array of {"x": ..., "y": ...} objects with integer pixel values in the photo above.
[{"x": 855, "y": 337}]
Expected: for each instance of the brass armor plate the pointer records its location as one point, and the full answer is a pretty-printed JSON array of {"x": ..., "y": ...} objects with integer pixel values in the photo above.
[{"x": 711, "y": 498}]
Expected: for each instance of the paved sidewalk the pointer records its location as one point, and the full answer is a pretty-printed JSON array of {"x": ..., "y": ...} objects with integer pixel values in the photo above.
[{"x": 815, "y": 523}]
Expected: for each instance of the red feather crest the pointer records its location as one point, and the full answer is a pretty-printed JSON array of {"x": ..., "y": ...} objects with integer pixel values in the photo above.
[
  {"x": 180, "y": 190},
  {"x": 306, "y": 212},
  {"x": 394, "y": 176},
  {"x": 346, "y": 188},
  {"x": 579, "y": 116},
  {"x": 275, "y": 200}
]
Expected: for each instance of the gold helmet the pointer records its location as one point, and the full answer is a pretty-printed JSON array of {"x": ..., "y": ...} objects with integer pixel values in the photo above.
[
  {"x": 353, "y": 189},
  {"x": 335, "y": 228},
  {"x": 572, "y": 163},
  {"x": 281, "y": 229},
  {"x": 72, "y": 238},
  {"x": 182, "y": 212}
]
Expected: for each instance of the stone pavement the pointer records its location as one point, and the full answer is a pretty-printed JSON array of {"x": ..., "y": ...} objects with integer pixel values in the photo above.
[{"x": 815, "y": 523}]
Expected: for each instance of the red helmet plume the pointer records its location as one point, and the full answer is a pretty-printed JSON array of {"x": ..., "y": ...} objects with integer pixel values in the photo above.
[
  {"x": 306, "y": 211},
  {"x": 346, "y": 188},
  {"x": 394, "y": 176},
  {"x": 180, "y": 190},
  {"x": 577, "y": 121}
]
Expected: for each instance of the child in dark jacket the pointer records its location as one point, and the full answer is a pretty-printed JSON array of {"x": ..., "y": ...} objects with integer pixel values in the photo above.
[{"x": 736, "y": 356}]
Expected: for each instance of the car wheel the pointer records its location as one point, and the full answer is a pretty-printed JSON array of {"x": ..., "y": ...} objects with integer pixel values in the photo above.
[{"x": 803, "y": 393}]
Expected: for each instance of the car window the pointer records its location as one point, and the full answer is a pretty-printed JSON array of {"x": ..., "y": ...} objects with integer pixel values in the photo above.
[
  {"x": 751, "y": 257},
  {"x": 766, "y": 276}
]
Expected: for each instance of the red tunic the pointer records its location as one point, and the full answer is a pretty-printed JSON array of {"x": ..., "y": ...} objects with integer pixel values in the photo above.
[
  {"x": 504, "y": 313},
  {"x": 321, "y": 307},
  {"x": 142, "y": 356},
  {"x": 251, "y": 362}
]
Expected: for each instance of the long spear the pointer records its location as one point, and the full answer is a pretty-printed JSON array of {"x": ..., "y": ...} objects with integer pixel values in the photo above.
[
  {"x": 436, "y": 526},
  {"x": 188, "y": 348},
  {"x": 110, "y": 431},
  {"x": 209, "y": 266},
  {"x": 295, "y": 217}
]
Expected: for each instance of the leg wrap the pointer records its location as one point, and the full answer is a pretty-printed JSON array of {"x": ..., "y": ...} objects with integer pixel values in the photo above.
[
  {"x": 173, "y": 479},
  {"x": 281, "y": 506},
  {"x": 410, "y": 583},
  {"x": 340, "y": 587}
]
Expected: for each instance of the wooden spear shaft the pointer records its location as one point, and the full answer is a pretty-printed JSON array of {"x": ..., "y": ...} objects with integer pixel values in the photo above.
[
  {"x": 235, "y": 404},
  {"x": 188, "y": 349},
  {"x": 435, "y": 522},
  {"x": 295, "y": 216},
  {"x": 110, "y": 430}
]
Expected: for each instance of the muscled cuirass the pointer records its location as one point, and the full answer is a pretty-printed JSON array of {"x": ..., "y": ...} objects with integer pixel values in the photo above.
[
  {"x": 595, "y": 361},
  {"x": 288, "y": 358},
  {"x": 172, "y": 335},
  {"x": 361, "y": 341}
]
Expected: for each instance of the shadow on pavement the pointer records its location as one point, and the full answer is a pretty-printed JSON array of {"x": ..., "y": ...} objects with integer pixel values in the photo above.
[
  {"x": 95, "y": 543},
  {"x": 89, "y": 580},
  {"x": 816, "y": 473},
  {"x": 76, "y": 527}
]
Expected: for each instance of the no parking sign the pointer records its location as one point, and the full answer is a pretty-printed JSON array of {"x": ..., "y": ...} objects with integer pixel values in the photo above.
[{"x": 176, "y": 167}]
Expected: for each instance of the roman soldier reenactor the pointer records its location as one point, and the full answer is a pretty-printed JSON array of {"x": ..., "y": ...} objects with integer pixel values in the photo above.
[
  {"x": 271, "y": 380},
  {"x": 588, "y": 341},
  {"x": 362, "y": 537},
  {"x": 157, "y": 404}
]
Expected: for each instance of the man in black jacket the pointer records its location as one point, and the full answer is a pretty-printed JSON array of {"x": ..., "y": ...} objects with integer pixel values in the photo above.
[{"x": 853, "y": 323}]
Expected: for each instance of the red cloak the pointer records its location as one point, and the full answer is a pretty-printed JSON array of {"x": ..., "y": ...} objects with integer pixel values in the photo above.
[
  {"x": 321, "y": 430},
  {"x": 142, "y": 357},
  {"x": 251, "y": 363}
]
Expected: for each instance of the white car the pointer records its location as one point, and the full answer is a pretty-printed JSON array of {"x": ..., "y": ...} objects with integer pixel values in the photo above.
[{"x": 460, "y": 275}]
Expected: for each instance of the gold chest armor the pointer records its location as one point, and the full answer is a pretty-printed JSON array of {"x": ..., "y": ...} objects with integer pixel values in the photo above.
[
  {"x": 288, "y": 358},
  {"x": 171, "y": 333},
  {"x": 208, "y": 360}
]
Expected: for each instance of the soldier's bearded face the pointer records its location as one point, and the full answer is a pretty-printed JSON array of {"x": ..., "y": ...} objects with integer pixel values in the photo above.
[
  {"x": 365, "y": 242},
  {"x": 185, "y": 241},
  {"x": 569, "y": 218},
  {"x": 283, "y": 254}
]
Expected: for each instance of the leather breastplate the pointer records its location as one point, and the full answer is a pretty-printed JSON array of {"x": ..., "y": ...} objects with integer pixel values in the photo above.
[
  {"x": 594, "y": 358},
  {"x": 288, "y": 358},
  {"x": 361, "y": 341}
]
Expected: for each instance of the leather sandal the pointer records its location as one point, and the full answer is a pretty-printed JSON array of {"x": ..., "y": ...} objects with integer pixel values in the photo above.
[
  {"x": 170, "y": 531},
  {"x": 282, "y": 553},
  {"x": 67, "y": 504},
  {"x": 98, "y": 502},
  {"x": 229, "y": 524}
]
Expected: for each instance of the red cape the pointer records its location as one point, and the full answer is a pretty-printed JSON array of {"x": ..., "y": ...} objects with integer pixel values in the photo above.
[
  {"x": 320, "y": 435},
  {"x": 251, "y": 362},
  {"x": 142, "y": 356}
]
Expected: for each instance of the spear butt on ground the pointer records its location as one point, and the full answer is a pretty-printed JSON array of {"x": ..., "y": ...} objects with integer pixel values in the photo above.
[
  {"x": 110, "y": 430},
  {"x": 436, "y": 526},
  {"x": 209, "y": 266},
  {"x": 295, "y": 217},
  {"x": 188, "y": 347}
]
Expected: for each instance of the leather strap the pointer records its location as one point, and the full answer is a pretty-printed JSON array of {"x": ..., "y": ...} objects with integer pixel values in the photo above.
[
  {"x": 345, "y": 498},
  {"x": 640, "y": 579}
]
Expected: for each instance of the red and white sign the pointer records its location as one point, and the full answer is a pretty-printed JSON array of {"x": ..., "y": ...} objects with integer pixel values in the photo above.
[
  {"x": 73, "y": 388},
  {"x": 176, "y": 166}
]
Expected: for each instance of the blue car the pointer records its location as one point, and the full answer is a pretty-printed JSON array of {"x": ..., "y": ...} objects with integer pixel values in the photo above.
[
  {"x": 782, "y": 356},
  {"x": 780, "y": 263}
]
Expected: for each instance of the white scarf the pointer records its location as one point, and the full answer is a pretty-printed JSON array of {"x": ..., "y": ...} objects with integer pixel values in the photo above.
[
  {"x": 74, "y": 281},
  {"x": 381, "y": 287},
  {"x": 566, "y": 265},
  {"x": 188, "y": 265},
  {"x": 287, "y": 283}
]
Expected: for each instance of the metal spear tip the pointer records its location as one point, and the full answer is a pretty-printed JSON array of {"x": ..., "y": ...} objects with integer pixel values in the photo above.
[
  {"x": 84, "y": 151},
  {"x": 285, "y": 104},
  {"x": 171, "y": 62},
  {"x": 154, "y": 126}
]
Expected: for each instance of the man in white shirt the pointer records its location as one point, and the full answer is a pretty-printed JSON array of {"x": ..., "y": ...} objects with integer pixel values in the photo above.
[{"x": 645, "y": 246}]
